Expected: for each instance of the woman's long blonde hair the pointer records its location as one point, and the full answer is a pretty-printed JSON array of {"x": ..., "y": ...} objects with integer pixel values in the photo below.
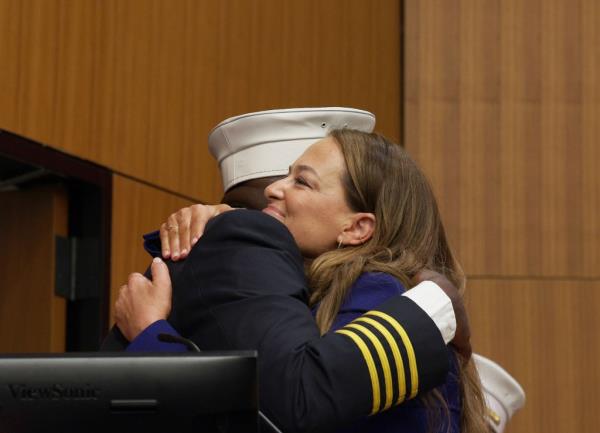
[{"x": 381, "y": 178}]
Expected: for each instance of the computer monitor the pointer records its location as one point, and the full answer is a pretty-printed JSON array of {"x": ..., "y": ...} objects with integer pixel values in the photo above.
[{"x": 108, "y": 393}]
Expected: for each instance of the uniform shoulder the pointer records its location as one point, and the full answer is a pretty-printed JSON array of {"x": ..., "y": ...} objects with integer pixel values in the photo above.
[
  {"x": 248, "y": 218},
  {"x": 250, "y": 227},
  {"x": 379, "y": 282},
  {"x": 370, "y": 290}
]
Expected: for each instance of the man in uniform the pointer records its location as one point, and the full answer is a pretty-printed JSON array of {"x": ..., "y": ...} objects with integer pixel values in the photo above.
[{"x": 243, "y": 287}]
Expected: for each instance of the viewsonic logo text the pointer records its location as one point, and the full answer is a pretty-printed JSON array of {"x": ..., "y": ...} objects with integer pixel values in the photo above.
[{"x": 54, "y": 392}]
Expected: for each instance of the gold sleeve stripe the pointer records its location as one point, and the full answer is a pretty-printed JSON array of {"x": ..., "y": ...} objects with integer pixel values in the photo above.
[
  {"x": 412, "y": 359},
  {"x": 370, "y": 366},
  {"x": 395, "y": 352},
  {"x": 385, "y": 364}
]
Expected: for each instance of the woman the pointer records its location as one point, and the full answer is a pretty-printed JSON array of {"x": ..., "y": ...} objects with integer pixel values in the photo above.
[
  {"x": 364, "y": 215},
  {"x": 394, "y": 232}
]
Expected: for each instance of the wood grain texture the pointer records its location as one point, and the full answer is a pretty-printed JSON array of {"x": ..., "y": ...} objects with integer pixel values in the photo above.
[
  {"x": 32, "y": 317},
  {"x": 137, "y": 85},
  {"x": 545, "y": 333},
  {"x": 137, "y": 209},
  {"x": 501, "y": 109}
]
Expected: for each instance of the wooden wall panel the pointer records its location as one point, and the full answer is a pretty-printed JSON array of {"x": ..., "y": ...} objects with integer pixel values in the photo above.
[
  {"x": 545, "y": 333},
  {"x": 502, "y": 101},
  {"x": 137, "y": 85},
  {"x": 501, "y": 109},
  {"x": 32, "y": 316},
  {"x": 137, "y": 209}
]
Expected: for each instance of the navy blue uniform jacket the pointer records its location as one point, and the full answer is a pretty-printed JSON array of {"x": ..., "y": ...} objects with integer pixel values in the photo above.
[{"x": 243, "y": 287}]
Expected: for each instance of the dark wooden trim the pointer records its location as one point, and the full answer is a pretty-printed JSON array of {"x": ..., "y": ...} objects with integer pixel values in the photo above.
[{"x": 31, "y": 152}]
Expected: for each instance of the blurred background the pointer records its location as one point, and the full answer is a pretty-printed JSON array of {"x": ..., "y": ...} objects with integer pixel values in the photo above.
[{"x": 105, "y": 107}]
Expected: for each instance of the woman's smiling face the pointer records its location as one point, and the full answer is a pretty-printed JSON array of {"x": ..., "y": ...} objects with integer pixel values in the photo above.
[{"x": 310, "y": 201}]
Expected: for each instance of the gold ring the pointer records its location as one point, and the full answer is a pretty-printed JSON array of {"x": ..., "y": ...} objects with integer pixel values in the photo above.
[{"x": 169, "y": 228}]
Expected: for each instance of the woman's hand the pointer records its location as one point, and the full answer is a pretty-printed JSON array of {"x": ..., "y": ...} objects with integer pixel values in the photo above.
[
  {"x": 183, "y": 229},
  {"x": 142, "y": 302}
]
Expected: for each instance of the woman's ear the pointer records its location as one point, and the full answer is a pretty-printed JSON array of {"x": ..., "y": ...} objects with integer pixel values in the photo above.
[{"x": 359, "y": 230}]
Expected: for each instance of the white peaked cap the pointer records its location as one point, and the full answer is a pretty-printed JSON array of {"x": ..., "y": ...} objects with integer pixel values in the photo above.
[
  {"x": 266, "y": 143},
  {"x": 503, "y": 394}
]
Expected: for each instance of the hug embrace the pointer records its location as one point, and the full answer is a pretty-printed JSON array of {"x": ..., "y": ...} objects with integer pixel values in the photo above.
[{"x": 318, "y": 281}]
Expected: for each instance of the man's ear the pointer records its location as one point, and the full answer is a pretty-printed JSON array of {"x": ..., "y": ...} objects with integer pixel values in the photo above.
[{"x": 359, "y": 229}]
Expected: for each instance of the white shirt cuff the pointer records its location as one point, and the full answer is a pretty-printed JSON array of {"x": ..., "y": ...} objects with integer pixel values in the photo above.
[{"x": 432, "y": 299}]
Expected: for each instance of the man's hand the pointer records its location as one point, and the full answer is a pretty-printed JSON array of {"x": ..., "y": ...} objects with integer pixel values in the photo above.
[
  {"x": 183, "y": 228},
  {"x": 142, "y": 302},
  {"x": 462, "y": 337}
]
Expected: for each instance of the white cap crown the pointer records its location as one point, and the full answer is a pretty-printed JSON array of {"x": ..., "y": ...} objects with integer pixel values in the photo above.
[{"x": 266, "y": 143}]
